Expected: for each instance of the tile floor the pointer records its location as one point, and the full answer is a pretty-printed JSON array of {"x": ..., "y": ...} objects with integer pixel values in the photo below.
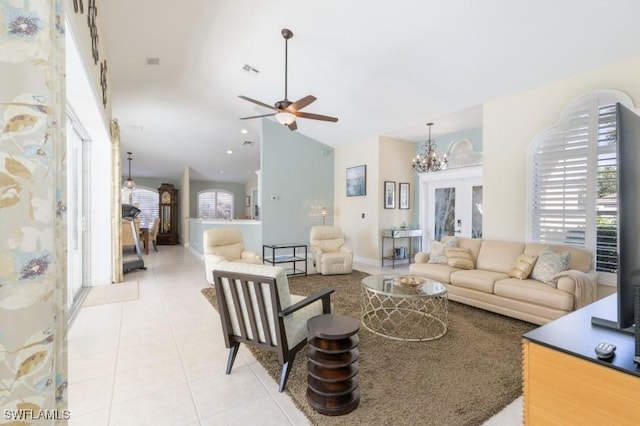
[{"x": 160, "y": 360}]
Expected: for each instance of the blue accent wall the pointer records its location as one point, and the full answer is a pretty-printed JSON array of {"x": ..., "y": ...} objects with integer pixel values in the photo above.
[
  {"x": 297, "y": 175},
  {"x": 474, "y": 135}
]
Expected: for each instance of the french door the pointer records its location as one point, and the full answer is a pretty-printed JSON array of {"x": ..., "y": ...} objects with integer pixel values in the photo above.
[
  {"x": 76, "y": 213},
  {"x": 452, "y": 206},
  {"x": 456, "y": 209}
]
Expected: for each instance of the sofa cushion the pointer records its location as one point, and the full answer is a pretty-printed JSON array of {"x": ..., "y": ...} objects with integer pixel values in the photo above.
[
  {"x": 523, "y": 266},
  {"x": 498, "y": 256},
  {"x": 472, "y": 244},
  {"x": 437, "y": 254},
  {"x": 459, "y": 257},
  {"x": 434, "y": 271},
  {"x": 533, "y": 291},
  {"x": 579, "y": 258},
  {"x": 548, "y": 264},
  {"x": 476, "y": 279}
]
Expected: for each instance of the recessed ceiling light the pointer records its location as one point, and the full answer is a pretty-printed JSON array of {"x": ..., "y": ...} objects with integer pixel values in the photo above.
[
  {"x": 221, "y": 172},
  {"x": 244, "y": 131},
  {"x": 229, "y": 151}
]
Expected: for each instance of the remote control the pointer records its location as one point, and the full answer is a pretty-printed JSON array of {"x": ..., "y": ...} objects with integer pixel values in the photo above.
[{"x": 605, "y": 350}]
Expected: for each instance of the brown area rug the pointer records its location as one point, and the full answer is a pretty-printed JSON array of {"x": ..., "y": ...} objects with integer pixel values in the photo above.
[{"x": 463, "y": 378}]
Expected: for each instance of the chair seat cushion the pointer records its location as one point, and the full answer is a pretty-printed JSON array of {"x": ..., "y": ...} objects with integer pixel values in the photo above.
[{"x": 295, "y": 325}]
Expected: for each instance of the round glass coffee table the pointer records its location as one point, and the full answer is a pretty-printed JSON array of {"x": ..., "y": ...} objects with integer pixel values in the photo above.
[{"x": 404, "y": 308}]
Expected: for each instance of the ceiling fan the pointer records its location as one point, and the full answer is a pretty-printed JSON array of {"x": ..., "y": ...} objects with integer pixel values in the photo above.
[{"x": 286, "y": 111}]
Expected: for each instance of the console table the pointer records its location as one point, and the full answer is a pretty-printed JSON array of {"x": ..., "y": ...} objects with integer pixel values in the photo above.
[
  {"x": 565, "y": 383},
  {"x": 294, "y": 255},
  {"x": 411, "y": 234}
]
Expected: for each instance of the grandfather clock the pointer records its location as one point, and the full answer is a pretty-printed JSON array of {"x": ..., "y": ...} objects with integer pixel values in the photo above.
[{"x": 168, "y": 232}]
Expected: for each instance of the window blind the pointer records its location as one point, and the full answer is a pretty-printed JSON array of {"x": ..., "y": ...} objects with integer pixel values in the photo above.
[
  {"x": 215, "y": 204},
  {"x": 147, "y": 200},
  {"x": 573, "y": 177}
]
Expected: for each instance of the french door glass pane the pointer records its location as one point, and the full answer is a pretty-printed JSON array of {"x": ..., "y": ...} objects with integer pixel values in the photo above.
[
  {"x": 445, "y": 208},
  {"x": 476, "y": 212}
]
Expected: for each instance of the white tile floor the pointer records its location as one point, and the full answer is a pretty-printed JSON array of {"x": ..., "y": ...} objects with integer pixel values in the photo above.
[{"x": 160, "y": 360}]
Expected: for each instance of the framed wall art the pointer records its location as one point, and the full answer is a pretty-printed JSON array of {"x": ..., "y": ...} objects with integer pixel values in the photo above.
[
  {"x": 389, "y": 194},
  {"x": 356, "y": 181},
  {"x": 403, "y": 198}
]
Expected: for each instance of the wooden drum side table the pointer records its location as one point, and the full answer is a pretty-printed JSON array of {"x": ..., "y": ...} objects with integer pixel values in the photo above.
[{"x": 333, "y": 364}]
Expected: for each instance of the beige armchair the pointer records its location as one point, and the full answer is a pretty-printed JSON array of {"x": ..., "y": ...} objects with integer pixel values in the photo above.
[
  {"x": 257, "y": 309},
  {"x": 225, "y": 244},
  {"x": 329, "y": 252}
]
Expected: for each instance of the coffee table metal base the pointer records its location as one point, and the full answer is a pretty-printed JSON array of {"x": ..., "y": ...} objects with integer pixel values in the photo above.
[{"x": 407, "y": 319}]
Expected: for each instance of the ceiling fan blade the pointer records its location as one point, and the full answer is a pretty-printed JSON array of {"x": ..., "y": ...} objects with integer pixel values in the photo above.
[
  {"x": 300, "y": 103},
  {"x": 315, "y": 116},
  {"x": 258, "y": 116},
  {"x": 262, "y": 104},
  {"x": 293, "y": 126}
]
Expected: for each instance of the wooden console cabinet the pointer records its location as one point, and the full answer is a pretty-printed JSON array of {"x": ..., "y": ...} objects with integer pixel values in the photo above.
[
  {"x": 565, "y": 384},
  {"x": 168, "y": 211}
]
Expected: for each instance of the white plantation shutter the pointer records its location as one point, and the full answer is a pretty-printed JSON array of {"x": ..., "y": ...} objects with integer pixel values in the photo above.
[
  {"x": 215, "y": 204},
  {"x": 572, "y": 175}
]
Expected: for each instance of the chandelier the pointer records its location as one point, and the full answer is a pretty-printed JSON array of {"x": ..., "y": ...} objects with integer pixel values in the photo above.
[
  {"x": 428, "y": 160},
  {"x": 129, "y": 184}
]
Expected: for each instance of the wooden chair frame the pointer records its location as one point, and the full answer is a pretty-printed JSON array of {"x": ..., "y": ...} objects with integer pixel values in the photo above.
[{"x": 286, "y": 355}]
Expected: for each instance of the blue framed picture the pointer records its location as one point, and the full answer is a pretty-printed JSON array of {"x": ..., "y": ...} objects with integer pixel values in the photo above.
[{"x": 356, "y": 181}]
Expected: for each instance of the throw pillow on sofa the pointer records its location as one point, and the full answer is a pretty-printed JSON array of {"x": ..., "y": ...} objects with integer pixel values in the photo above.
[
  {"x": 459, "y": 258},
  {"x": 548, "y": 264},
  {"x": 437, "y": 254},
  {"x": 522, "y": 266}
]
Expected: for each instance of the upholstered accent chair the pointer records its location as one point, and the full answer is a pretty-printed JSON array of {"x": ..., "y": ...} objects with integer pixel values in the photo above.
[
  {"x": 127, "y": 238},
  {"x": 153, "y": 233},
  {"x": 329, "y": 252},
  {"x": 257, "y": 309},
  {"x": 225, "y": 244}
]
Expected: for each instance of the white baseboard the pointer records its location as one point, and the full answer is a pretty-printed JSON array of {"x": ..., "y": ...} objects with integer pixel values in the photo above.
[{"x": 366, "y": 261}]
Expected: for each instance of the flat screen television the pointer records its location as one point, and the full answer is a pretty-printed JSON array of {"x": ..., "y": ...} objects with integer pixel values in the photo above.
[{"x": 628, "y": 153}]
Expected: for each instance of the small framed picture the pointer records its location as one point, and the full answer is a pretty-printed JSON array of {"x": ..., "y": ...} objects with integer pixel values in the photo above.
[
  {"x": 389, "y": 194},
  {"x": 356, "y": 181},
  {"x": 404, "y": 196},
  {"x": 247, "y": 201}
]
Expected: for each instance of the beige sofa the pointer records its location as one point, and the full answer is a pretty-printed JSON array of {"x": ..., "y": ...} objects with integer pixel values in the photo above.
[{"x": 488, "y": 285}]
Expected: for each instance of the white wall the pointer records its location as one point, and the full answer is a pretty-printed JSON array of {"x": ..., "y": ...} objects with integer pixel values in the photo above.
[
  {"x": 511, "y": 122},
  {"x": 362, "y": 234},
  {"x": 395, "y": 166}
]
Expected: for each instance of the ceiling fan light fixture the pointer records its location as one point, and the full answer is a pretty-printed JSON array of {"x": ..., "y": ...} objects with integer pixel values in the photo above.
[{"x": 285, "y": 118}]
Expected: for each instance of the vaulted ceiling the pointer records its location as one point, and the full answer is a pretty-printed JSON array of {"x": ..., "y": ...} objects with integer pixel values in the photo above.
[{"x": 381, "y": 67}]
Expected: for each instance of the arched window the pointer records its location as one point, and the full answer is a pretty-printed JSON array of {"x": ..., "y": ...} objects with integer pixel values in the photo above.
[
  {"x": 215, "y": 204},
  {"x": 573, "y": 178},
  {"x": 147, "y": 200}
]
